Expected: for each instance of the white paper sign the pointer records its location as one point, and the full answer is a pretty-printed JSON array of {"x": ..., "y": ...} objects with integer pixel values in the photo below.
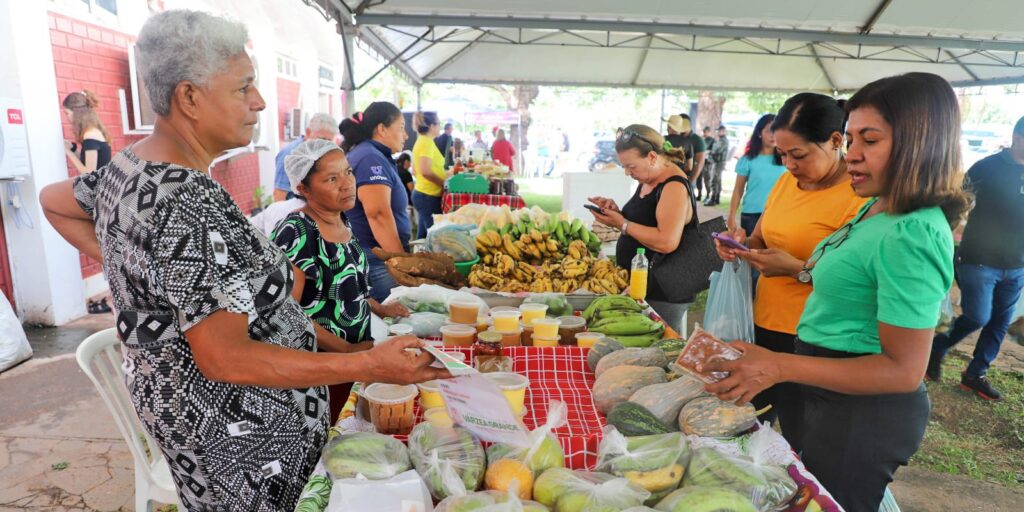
[{"x": 478, "y": 405}]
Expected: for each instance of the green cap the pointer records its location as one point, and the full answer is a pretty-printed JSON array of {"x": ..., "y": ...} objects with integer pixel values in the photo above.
[{"x": 641, "y": 250}]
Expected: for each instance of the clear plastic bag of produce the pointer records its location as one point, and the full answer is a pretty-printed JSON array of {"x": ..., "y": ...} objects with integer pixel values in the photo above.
[
  {"x": 558, "y": 305},
  {"x": 425, "y": 325},
  {"x": 369, "y": 454},
  {"x": 455, "y": 240},
  {"x": 431, "y": 298},
  {"x": 566, "y": 490},
  {"x": 450, "y": 459},
  {"x": 729, "y": 314},
  {"x": 544, "y": 451},
  {"x": 946, "y": 315},
  {"x": 690, "y": 498},
  {"x": 395, "y": 494},
  {"x": 654, "y": 462},
  {"x": 768, "y": 486},
  {"x": 489, "y": 501}
]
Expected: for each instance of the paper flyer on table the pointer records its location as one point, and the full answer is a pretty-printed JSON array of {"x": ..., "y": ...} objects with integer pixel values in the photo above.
[{"x": 478, "y": 405}]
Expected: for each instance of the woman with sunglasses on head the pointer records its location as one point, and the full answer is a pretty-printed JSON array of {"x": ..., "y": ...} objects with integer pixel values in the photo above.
[
  {"x": 865, "y": 334},
  {"x": 808, "y": 203},
  {"x": 655, "y": 216}
]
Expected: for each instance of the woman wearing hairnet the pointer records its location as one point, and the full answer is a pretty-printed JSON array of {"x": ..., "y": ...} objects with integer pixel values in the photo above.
[
  {"x": 221, "y": 363},
  {"x": 334, "y": 285}
]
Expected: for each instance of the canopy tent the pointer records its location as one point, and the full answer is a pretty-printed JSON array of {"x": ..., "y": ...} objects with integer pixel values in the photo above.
[{"x": 821, "y": 45}]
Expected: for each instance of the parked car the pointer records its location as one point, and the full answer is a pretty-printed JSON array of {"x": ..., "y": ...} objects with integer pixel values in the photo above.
[{"x": 604, "y": 154}]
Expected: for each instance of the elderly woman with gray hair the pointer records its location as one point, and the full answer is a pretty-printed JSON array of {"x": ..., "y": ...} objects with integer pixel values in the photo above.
[{"x": 221, "y": 362}]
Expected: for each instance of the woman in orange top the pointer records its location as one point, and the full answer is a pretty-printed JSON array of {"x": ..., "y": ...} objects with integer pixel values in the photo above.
[{"x": 808, "y": 203}]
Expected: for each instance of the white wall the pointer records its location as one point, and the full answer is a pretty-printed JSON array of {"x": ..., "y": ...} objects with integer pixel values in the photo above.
[{"x": 48, "y": 286}]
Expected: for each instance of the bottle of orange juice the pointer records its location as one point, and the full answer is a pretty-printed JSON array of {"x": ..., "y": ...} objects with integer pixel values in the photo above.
[{"x": 638, "y": 276}]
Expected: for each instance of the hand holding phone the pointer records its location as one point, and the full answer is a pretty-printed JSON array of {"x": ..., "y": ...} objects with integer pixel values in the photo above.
[
  {"x": 729, "y": 242},
  {"x": 594, "y": 208}
]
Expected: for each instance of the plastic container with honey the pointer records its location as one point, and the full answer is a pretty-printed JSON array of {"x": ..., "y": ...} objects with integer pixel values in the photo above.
[
  {"x": 463, "y": 311},
  {"x": 527, "y": 331},
  {"x": 544, "y": 341},
  {"x": 482, "y": 324},
  {"x": 587, "y": 339},
  {"x": 513, "y": 386},
  {"x": 391, "y": 407},
  {"x": 569, "y": 327},
  {"x": 546, "y": 327},
  {"x": 532, "y": 311},
  {"x": 511, "y": 338},
  {"x": 458, "y": 335},
  {"x": 506, "y": 320}
]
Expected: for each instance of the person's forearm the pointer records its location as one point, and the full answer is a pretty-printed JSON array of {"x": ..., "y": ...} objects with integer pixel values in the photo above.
[
  {"x": 79, "y": 231},
  {"x": 433, "y": 178},
  {"x": 330, "y": 342},
  {"x": 253, "y": 363},
  {"x": 734, "y": 204},
  {"x": 385, "y": 231},
  {"x": 76, "y": 163},
  {"x": 866, "y": 375}
]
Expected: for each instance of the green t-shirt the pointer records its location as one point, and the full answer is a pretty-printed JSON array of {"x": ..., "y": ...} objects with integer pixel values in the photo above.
[{"x": 894, "y": 269}]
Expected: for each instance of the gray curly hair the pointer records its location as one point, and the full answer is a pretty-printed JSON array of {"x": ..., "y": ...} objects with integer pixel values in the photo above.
[{"x": 180, "y": 45}]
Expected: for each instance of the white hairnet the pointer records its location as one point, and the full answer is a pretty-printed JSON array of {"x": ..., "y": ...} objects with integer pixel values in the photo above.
[{"x": 299, "y": 163}]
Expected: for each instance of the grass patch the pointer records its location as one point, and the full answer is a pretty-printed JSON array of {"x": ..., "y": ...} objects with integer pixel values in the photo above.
[
  {"x": 543, "y": 192},
  {"x": 60, "y": 466},
  {"x": 973, "y": 437},
  {"x": 548, "y": 203}
]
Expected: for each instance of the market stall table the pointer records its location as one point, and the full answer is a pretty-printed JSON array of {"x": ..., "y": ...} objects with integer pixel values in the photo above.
[{"x": 454, "y": 201}]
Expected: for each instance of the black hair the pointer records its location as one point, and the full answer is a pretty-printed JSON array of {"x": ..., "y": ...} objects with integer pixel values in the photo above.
[
  {"x": 1019, "y": 127},
  {"x": 813, "y": 116},
  {"x": 721, "y": 127},
  {"x": 360, "y": 127},
  {"x": 402, "y": 159},
  {"x": 447, "y": 125},
  {"x": 756, "y": 143},
  {"x": 424, "y": 120}
]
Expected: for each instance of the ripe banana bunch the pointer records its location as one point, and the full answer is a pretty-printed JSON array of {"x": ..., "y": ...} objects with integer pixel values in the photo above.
[
  {"x": 574, "y": 267},
  {"x": 524, "y": 272},
  {"x": 503, "y": 264},
  {"x": 488, "y": 242},
  {"x": 542, "y": 285},
  {"x": 484, "y": 277},
  {"x": 578, "y": 250},
  {"x": 601, "y": 286}
]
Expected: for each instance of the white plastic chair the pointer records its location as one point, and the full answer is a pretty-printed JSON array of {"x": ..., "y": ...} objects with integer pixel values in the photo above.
[{"x": 99, "y": 357}]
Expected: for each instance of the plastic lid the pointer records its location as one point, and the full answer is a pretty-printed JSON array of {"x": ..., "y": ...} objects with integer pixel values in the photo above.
[
  {"x": 458, "y": 329},
  {"x": 641, "y": 250},
  {"x": 505, "y": 313},
  {"x": 503, "y": 308},
  {"x": 572, "y": 321},
  {"x": 547, "y": 321},
  {"x": 399, "y": 329},
  {"x": 489, "y": 336},
  {"x": 588, "y": 334},
  {"x": 464, "y": 301},
  {"x": 508, "y": 380},
  {"x": 430, "y": 386},
  {"x": 533, "y": 306},
  {"x": 390, "y": 393}
]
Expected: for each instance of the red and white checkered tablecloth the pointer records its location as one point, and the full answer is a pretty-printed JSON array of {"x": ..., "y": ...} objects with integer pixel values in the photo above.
[{"x": 452, "y": 202}]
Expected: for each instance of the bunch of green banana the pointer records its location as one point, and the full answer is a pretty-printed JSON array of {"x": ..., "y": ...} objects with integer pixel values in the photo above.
[
  {"x": 561, "y": 231},
  {"x": 607, "y": 303}
]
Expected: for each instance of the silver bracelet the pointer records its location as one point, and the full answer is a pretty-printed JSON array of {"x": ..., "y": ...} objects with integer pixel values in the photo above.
[{"x": 625, "y": 224}]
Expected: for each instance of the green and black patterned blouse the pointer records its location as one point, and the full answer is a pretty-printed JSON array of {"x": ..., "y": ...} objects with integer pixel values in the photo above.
[{"x": 337, "y": 286}]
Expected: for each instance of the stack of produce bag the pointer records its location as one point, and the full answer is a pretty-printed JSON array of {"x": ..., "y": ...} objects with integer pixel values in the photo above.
[
  {"x": 509, "y": 466},
  {"x": 655, "y": 463},
  {"x": 371, "y": 470},
  {"x": 566, "y": 490},
  {"x": 450, "y": 460}
]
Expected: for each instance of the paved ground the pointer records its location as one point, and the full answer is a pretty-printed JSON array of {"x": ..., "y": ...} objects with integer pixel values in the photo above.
[{"x": 52, "y": 418}]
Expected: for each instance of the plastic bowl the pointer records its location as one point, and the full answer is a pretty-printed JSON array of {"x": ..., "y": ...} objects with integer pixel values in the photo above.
[{"x": 465, "y": 266}]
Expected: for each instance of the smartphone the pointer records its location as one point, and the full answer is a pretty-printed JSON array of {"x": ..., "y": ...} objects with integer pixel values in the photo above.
[
  {"x": 729, "y": 242},
  {"x": 595, "y": 208}
]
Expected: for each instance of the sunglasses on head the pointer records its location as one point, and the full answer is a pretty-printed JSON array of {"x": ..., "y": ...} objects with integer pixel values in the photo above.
[{"x": 626, "y": 135}]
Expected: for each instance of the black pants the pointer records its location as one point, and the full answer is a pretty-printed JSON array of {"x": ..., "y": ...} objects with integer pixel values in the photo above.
[
  {"x": 854, "y": 444},
  {"x": 785, "y": 398}
]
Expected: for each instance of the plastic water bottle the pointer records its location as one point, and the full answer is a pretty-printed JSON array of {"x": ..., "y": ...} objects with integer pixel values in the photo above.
[{"x": 638, "y": 276}]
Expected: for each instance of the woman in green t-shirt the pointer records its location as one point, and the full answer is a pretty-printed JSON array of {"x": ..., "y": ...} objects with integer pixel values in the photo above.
[{"x": 866, "y": 331}]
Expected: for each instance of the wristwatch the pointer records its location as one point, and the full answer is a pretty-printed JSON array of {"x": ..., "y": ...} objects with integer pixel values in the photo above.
[{"x": 804, "y": 276}]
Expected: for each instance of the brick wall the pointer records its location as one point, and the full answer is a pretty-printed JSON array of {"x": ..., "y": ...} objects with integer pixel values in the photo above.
[
  {"x": 88, "y": 56},
  {"x": 287, "y": 99}
]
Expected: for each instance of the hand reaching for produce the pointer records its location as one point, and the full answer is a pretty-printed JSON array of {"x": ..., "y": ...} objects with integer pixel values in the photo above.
[
  {"x": 389, "y": 310},
  {"x": 756, "y": 370},
  {"x": 728, "y": 253},
  {"x": 391, "y": 363},
  {"x": 772, "y": 262}
]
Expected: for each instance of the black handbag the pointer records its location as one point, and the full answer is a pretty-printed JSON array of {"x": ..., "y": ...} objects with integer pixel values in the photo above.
[{"x": 686, "y": 271}]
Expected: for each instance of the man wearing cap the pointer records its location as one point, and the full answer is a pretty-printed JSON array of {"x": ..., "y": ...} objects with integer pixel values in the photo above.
[
  {"x": 320, "y": 126},
  {"x": 681, "y": 135}
]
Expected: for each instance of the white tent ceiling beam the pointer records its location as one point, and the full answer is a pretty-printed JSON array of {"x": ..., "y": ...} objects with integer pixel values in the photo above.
[
  {"x": 414, "y": 20},
  {"x": 866, "y": 29},
  {"x": 344, "y": 15}
]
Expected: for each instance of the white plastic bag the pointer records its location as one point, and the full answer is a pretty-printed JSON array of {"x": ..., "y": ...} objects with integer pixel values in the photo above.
[
  {"x": 425, "y": 325},
  {"x": 489, "y": 501},
  {"x": 432, "y": 298},
  {"x": 404, "y": 492},
  {"x": 450, "y": 460},
  {"x": 367, "y": 454},
  {"x": 729, "y": 314},
  {"x": 946, "y": 316},
  {"x": 544, "y": 450},
  {"x": 14, "y": 347},
  {"x": 654, "y": 462},
  {"x": 565, "y": 490}
]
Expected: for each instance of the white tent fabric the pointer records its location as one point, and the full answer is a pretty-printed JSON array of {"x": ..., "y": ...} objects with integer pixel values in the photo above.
[{"x": 826, "y": 45}]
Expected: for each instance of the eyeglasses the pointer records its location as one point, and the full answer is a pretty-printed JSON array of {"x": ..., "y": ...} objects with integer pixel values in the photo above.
[
  {"x": 626, "y": 135},
  {"x": 834, "y": 241}
]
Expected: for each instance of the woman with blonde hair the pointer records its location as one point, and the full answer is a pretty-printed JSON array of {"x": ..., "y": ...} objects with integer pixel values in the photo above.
[{"x": 91, "y": 148}]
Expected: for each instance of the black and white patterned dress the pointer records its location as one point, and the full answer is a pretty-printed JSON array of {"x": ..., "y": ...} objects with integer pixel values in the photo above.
[{"x": 176, "y": 249}]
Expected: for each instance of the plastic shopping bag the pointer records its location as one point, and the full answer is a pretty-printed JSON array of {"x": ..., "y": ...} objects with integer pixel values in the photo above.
[
  {"x": 946, "y": 316},
  {"x": 544, "y": 451},
  {"x": 729, "y": 314},
  {"x": 768, "y": 486},
  {"x": 566, "y": 490},
  {"x": 14, "y": 347},
  {"x": 432, "y": 298},
  {"x": 489, "y": 501},
  {"x": 654, "y": 462},
  {"x": 455, "y": 240},
  {"x": 450, "y": 460},
  {"x": 401, "y": 493},
  {"x": 365, "y": 454},
  {"x": 425, "y": 325}
]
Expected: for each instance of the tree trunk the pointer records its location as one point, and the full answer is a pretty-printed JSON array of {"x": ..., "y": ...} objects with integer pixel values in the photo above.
[
  {"x": 519, "y": 98},
  {"x": 709, "y": 111}
]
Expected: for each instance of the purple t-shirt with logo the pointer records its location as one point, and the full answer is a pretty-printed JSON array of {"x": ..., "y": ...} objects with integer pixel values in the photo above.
[{"x": 372, "y": 164}]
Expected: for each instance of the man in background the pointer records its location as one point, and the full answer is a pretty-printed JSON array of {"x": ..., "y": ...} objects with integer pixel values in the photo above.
[
  {"x": 479, "y": 143},
  {"x": 989, "y": 264},
  {"x": 713, "y": 175},
  {"x": 681, "y": 135},
  {"x": 320, "y": 126},
  {"x": 444, "y": 144}
]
